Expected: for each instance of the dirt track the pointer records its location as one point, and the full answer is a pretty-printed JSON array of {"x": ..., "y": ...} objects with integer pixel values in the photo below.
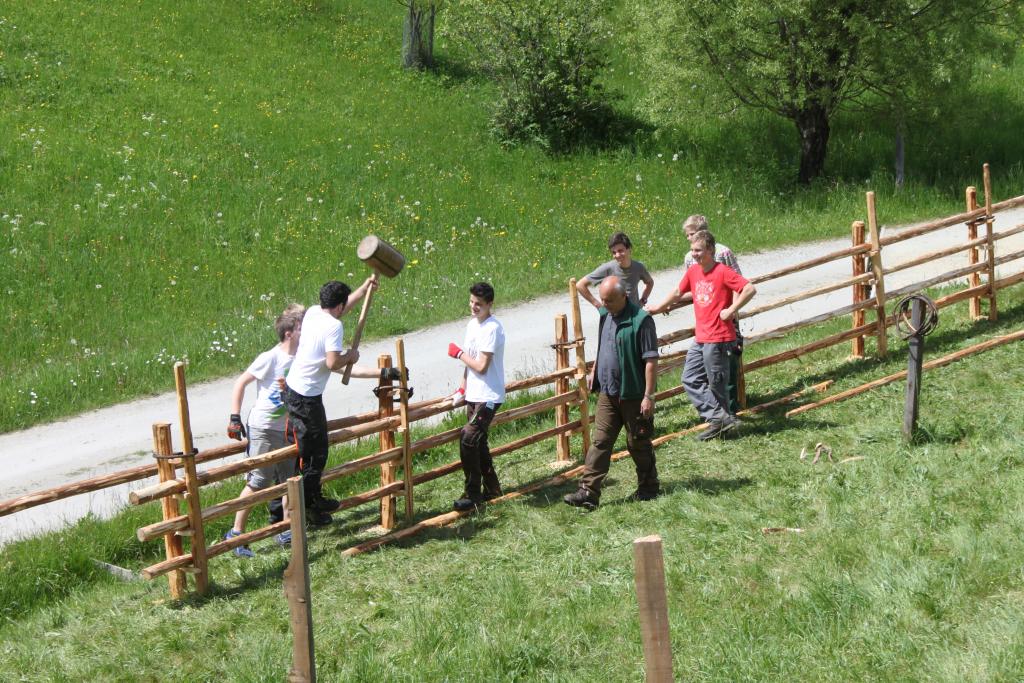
[{"x": 119, "y": 437}]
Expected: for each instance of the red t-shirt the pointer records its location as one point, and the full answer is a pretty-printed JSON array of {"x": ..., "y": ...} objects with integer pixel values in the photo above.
[{"x": 712, "y": 293}]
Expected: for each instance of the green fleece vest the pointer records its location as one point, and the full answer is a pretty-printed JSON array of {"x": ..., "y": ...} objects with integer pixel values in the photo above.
[{"x": 632, "y": 383}]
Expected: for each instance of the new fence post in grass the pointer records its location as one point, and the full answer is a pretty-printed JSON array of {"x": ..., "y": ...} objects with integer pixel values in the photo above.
[
  {"x": 972, "y": 255},
  {"x": 403, "y": 395},
  {"x": 581, "y": 365},
  {"x": 385, "y": 409},
  {"x": 649, "y": 569},
  {"x": 297, "y": 592},
  {"x": 195, "y": 506},
  {"x": 562, "y": 383},
  {"x": 882, "y": 349},
  {"x": 163, "y": 451},
  {"x": 859, "y": 289},
  {"x": 915, "y": 346},
  {"x": 990, "y": 247}
]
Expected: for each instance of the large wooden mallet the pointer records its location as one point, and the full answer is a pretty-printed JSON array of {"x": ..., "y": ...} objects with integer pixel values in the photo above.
[{"x": 383, "y": 259}]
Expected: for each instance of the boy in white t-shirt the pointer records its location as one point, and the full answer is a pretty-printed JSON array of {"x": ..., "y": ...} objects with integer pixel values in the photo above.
[
  {"x": 483, "y": 390},
  {"x": 266, "y": 428},
  {"x": 320, "y": 353}
]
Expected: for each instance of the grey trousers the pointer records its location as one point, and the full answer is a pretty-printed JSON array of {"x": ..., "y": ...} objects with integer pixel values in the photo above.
[{"x": 706, "y": 379}]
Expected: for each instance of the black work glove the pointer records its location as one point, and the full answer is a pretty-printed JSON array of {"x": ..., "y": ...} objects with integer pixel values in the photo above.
[
  {"x": 236, "y": 430},
  {"x": 392, "y": 374}
]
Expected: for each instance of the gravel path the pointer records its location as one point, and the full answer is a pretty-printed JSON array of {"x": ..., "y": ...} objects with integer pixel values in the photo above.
[{"x": 118, "y": 437}]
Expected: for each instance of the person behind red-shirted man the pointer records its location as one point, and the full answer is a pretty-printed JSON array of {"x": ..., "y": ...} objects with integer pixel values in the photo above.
[{"x": 706, "y": 372}]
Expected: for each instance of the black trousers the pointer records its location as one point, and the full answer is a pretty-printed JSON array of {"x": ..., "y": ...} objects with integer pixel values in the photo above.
[
  {"x": 475, "y": 453},
  {"x": 307, "y": 426}
]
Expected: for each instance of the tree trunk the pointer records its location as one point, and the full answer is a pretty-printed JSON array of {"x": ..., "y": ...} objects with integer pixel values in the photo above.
[
  {"x": 418, "y": 35},
  {"x": 900, "y": 161},
  {"x": 812, "y": 125}
]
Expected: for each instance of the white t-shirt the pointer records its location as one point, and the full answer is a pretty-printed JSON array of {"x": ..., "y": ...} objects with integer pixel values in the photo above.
[
  {"x": 269, "y": 410},
  {"x": 487, "y": 336},
  {"x": 321, "y": 332}
]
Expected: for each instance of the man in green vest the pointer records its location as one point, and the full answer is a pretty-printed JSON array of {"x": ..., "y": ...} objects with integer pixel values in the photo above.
[{"x": 625, "y": 375}]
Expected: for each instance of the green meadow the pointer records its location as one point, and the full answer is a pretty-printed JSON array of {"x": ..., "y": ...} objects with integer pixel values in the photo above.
[
  {"x": 907, "y": 566},
  {"x": 173, "y": 173}
]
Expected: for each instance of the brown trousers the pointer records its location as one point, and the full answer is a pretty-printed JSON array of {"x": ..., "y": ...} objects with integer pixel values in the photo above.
[{"x": 612, "y": 415}]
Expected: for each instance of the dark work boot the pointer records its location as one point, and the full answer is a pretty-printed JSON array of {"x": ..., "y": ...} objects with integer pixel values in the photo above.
[
  {"x": 582, "y": 498},
  {"x": 467, "y": 502}
]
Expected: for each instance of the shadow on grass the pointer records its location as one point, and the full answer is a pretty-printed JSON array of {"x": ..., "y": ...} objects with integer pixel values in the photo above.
[{"x": 708, "y": 486}]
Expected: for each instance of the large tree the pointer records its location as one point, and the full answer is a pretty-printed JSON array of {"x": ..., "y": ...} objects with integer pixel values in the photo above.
[{"x": 804, "y": 59}]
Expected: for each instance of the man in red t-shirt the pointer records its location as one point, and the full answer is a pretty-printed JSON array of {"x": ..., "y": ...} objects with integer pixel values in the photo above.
[{"x": 706, "y": 372}]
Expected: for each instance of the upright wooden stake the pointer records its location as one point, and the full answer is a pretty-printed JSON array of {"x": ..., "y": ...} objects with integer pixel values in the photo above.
[
  {"x": 406, "y": 435},
  {"x": 163, "y": 451},
  {"x": 915, "y": 345},
  {"x": 741, "y": 383},
  {"x": 195, "y": 506},
  {"x": 882, "y": 349},
  {"x": 297, "y": 590},
  {"x": 562, "y": 384},
  {"x": 649, "y": 566},
  {"x": 990, "y": 247},
  {"x": 972, "y": 255},
  {"x": 859, "y": 290},
  {"x": 581, "y": 366},
  {"x": 385, "y": 409}
]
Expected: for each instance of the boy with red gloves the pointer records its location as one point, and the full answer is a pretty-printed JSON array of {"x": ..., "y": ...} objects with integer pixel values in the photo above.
[{"x": 483, "y": 391}]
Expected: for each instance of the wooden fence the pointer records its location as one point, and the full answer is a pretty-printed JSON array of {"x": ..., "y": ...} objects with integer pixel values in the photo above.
[{"x": 180, "y": 481}]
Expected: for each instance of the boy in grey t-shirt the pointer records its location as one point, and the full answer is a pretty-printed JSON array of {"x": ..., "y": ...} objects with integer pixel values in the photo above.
[{"x": 630, "y": 273}]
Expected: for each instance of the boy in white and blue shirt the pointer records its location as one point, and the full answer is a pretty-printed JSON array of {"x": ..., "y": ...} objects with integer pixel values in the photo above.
[{"x": 266, "y": 421}]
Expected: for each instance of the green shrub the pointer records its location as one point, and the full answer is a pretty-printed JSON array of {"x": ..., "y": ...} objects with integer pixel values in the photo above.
[{"x": 544, "y": 56}]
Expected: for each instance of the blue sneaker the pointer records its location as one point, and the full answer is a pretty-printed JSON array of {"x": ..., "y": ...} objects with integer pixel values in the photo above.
[
  {"x": 284, "y": 538},
  {"x": 242, "y": 550}
]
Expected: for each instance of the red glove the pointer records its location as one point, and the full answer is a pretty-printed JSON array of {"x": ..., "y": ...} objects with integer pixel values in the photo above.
[
  {"x": 236, "y": 430},
  {"x": 454, "y": 351}
]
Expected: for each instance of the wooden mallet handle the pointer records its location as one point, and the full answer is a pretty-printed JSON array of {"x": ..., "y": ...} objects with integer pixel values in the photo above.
[{"x": 359, "y": 330}]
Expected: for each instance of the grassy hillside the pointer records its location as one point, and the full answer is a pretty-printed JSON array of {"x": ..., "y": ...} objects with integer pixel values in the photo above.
[
  {"x": 173, "y": 173},
  {"x": 907, "y": 568}
]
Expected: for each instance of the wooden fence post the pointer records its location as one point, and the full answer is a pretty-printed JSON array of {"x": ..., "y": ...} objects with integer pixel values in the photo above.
[
  {"x": 741, "y": 383},
  {"x": 882, "y": 348},
  {"x": 972, "y": 255},
  {"x": 990, "y": 247},
  {"x": 649, "y": 568},
  {"x": 915, "y": 348},
  {"x": 297, "y": 590},
  {"x": 403, "y": 395},
  {"x": 562, "y": 384},
  {"x": 581, "y": 366},
  {"x": 385, "y": 409},
  {"x": 192, "y": 501},
  {"x": 859, "y": 289},
  {"x": 163, "y": 451}
]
